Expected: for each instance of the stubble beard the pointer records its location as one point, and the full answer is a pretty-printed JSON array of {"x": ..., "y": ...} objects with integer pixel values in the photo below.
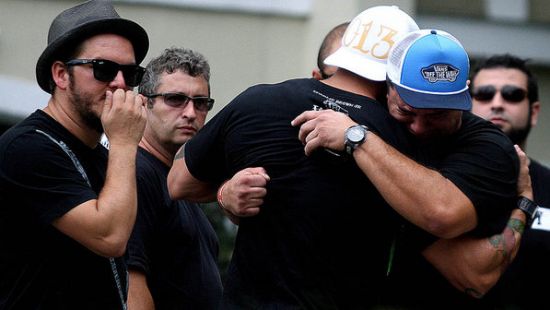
[
  {"x": 83, "y": 106},
  {"x": 518, "y": 135}
]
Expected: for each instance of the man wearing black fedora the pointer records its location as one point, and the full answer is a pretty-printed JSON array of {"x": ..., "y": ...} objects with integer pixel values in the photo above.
[{"x": 67, "y": 206}]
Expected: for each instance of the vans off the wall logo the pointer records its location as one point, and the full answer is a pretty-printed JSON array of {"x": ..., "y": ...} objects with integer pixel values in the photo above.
[{"x": 440, "y": 72}]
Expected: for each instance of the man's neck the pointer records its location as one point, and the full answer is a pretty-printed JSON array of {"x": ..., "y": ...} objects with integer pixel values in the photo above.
[
  {"x": 72, "y": 123},
  {"x": 156, "y": 150},
  {"x": 353, "y": 83}
]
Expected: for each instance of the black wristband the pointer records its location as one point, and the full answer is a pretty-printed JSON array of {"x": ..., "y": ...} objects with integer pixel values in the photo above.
[{"x": 530, "y": 209}]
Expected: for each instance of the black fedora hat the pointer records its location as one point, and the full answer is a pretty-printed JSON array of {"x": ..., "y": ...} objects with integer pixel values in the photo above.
[{"x": 83, "y": 21}]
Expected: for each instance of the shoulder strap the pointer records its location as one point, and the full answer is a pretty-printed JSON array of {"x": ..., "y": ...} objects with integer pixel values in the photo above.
[{"x": 80, "y": 169}]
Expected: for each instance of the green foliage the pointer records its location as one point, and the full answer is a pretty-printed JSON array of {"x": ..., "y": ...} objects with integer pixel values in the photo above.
[{"x": 226, "y": 234}]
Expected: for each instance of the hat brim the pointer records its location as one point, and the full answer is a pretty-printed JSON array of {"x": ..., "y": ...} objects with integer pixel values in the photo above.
[
  {"x": 358, "y": 64},
  {"x": 126, "y": 28},
  {"x": 418, "y": 100}
]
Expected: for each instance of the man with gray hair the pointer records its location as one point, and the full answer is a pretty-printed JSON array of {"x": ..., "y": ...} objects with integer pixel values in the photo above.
[{"x": 173, "y": 249}]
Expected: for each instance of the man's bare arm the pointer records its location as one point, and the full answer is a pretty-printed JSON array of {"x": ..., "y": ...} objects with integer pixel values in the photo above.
[
  {"x": 474, "y": 265},
  {"x": 408, "y": 187},
  {"x": 182, "y": 184},
  {"x": 104, "y": 225},
  {"x": 139, "y": 295}
]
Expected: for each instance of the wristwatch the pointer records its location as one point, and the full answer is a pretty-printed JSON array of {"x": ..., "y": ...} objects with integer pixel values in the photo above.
[
  {"x": 530, "y": 209},
  {"x": 354, "y": 137}
]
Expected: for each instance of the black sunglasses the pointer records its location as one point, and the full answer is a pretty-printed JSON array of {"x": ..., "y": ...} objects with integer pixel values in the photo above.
[
  {"x": 177, "y": 100},
  {"x": 508, "y": 92},
  {"x": 106, "y": 70}
]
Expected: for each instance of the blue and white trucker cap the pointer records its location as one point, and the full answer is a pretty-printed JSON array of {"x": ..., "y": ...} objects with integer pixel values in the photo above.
[
  {"x": 429, "y": 69},
  {"x": 368, "y": 39}
]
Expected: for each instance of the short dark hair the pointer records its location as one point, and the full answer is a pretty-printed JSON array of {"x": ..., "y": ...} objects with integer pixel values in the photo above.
[
  {"x": 508, "y": 61},
  {"x": 335, "y": 33}
]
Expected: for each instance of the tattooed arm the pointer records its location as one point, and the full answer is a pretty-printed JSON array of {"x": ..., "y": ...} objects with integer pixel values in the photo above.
[{"x": 475, "y": 265}]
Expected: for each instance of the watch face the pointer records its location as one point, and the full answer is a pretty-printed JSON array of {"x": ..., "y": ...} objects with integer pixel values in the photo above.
[{"x": 356, "y": 134}]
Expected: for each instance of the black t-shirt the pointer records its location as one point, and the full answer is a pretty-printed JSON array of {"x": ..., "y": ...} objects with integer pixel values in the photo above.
[
  {"x": 312, "y": 244},
  {"x": 40, "y": 267},
  {"x": 324, "y": 235},
  {"x": 520, "y": 285},
  {"x": 173, "y": 243},
  {"x": 481, "y": 161}
]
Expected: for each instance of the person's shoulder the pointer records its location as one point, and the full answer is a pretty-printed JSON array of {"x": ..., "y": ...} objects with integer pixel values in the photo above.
[
  {"x": 26, "y": 125},
  {"x": 475, "y": 126},
  {"x": 483, "y": 137},
  {"x": 25, "y": 138},
  {"x": 291, "y": 84},
  {"x": 258, "y": 96},
  {"x": 472, "y": 121},
  {"x": 148, "y": 164},
  {"x": 40, "y": 126},
  {"x": 539, "y": 168}
]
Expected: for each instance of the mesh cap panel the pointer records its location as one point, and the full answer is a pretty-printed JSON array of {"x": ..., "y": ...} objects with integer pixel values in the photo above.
[{"x": 395, "y": 60}]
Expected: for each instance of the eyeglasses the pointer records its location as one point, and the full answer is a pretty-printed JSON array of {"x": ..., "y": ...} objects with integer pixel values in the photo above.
[
  {"x": 508, "y": 92},
  {"x": 106, "y": 70},
  {"x": 177, "y": 100}
]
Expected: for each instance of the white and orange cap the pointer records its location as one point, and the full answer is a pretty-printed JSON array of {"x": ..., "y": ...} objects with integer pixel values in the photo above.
[{"x": 368, "y": 39}]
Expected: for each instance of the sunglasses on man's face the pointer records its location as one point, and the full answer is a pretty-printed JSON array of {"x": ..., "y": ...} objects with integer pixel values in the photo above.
[
  {"x": 106, "y": 70},
  {"x": 508, "y": 92},
  {"x": 178, "y": 100}
]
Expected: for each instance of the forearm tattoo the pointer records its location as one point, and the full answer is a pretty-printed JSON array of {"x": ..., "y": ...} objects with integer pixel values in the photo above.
[
  {"x": 498, "y": 242},
  {"x": 517, "y": 225},
  {"x": 505, "y": 243}
]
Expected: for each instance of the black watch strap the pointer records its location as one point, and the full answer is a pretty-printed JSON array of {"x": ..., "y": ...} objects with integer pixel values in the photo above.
[{"x": 530, "y": 208}]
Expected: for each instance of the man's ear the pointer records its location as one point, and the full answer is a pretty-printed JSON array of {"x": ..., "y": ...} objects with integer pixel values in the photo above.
[
  {"x": 316, "y": 74},
  {"x": 60, "y": 74},
  {"x": 535, "y": 109}
]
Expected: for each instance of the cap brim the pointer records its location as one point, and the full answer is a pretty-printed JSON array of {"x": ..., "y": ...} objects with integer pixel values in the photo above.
[
  {"x": 418, "y": 100},
  {"x": 358, "y": 64},
  {"x": 124, "y": 27}
]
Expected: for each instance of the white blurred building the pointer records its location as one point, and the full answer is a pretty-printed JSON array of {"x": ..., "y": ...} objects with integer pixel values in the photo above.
[{"x": 265, "y": 41}]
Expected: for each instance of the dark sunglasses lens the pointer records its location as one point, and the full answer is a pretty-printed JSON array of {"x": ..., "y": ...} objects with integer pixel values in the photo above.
[
  {"x": 175, "y": 100},
  {"x": 104, "y": 70},
  {"x": 132, "y": 74},
  {"x": 512, "y": 93},
  {"x": 484, "y": 93}
]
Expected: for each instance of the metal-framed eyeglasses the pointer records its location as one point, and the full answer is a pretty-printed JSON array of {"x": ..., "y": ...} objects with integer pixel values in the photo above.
[{"x": 180, "y": 100}]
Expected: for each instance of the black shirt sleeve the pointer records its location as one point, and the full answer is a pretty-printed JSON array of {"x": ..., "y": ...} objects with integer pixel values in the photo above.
[{"x": 44, "y": 175}]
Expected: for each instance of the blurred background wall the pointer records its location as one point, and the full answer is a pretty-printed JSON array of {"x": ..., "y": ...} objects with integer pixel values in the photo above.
[{"x": 266, "y": 41}]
